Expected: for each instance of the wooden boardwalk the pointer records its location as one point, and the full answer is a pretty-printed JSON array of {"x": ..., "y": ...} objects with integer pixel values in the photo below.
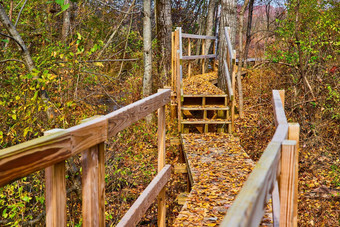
[{"x": 218, "y": 167}]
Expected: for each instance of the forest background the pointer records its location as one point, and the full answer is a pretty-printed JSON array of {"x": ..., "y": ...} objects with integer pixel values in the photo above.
[{"x": 88, "y": 58}]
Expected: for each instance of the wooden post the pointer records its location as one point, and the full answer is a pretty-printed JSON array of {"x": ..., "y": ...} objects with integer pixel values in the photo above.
[
  {"x": 276, "y": 205},
  {"x": 294, "y": 134},
  {"x": 93, "y": 184},
  {"x": 177, "y": 74},
  {"x": 189, "y": 54},
  {"x": 161, "y": 163},
  {"x": 287, "y": 182},
  {"x": 172, "y": 61},
  {"x": 233, "y": 73},
  {"x": 282, "y": 96},
  {"x": 214, "y": 52},
  {"x": 55, "y": 194},
  {"x": 203, "y": 53}
]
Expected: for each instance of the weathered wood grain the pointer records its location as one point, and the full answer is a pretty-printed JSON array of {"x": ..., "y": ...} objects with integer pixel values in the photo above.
[
  {"x": 287, "y": 183},
  {"x": 193, "y": 57},
  {"x": 229, "y": 84},
  {"x": 55, "y": 192},
  {"x": 192, "y": 36},
  {"x": 279, "y": 113},
  {"x": 93, "y": 186},
  {"x": 276, "y": 205},
  {"x": 137, "y": 210},
  {"x": 130, "y": 114},
  {"x": 161, "y": 163}
]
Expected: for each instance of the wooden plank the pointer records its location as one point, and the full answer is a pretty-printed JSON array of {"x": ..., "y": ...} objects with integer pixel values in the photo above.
[
  {"x": 180, "y": 168},
  {"x": 204, "y": 95},
  {"x": 248, "y": 207},
  {"x": 186, "y": 122},
  {"x": 214, "y": 52},
  {"x": 193, "y": 57},
  {"x": 180, "y": 42},
  {"x": 189, "y": 54},
  {"x": 280, "y": 117},
  {"x": 137, "y": 210},
  {"x": 276, "y": 205},
  {"x": 124, "y": 117},
  {"x": 294, "y": 134},
  {"x": 229, "y": 45},
  {"x": 93, "y": 186},
  {"x": 192, "y": 36},
  {"x": 172, "y": 61},
  {"x": 204, "y": 108},
  {"x": 287, "y": 183},
  {"x": 203, "y": 53},
  {"x": 229, "y": 84},
  {"x": 55, "y": 192},
  {"x": 161, "y": 163}
]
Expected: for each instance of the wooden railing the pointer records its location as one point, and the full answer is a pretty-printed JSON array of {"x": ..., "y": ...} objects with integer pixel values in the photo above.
[
  {"x": 50, "y": 152},
  {"x": 275, "y": 176}
]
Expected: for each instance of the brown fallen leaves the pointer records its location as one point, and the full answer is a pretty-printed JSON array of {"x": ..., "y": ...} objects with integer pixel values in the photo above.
[
  {"x": 201, "y": 85},
  {"x": 219, "y": 167}
]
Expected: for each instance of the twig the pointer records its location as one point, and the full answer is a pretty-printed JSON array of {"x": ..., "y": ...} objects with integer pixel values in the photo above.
[
  {"x": 8, "y": 36},
  {"x": 22, "y": 7},
  {"x": 4, "y": 61}
]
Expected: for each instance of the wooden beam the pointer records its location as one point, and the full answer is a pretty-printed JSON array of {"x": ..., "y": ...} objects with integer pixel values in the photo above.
[
  {"x": 294, "y": 134},
  {"x": 229, "y": 83},
  {"x": 276, "y": 205},
  {"x": 124, "y": 117},
  {"x": 287, "y": 183},
  {"x": 189, "y": 54},
  {"x": 137, "y": 210},
  {"x": 203, "y": 53},
  {"x": 229, "y": 45},
  {"x": 193, "y": 57},
  {"x": 93, "y": 186},
  {"x": 161, "y": 163},
  {"x": 192, "y": 36},
  {"x": 55, "y": 192},
  {"x": 280, "y": 117}
]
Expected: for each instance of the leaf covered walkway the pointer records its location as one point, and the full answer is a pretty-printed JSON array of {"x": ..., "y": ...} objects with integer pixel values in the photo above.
[{"x": 217, "y": 164}]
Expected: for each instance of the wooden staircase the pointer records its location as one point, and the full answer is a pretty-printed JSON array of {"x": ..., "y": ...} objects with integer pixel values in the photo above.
[{"x": 205, "y": 113}]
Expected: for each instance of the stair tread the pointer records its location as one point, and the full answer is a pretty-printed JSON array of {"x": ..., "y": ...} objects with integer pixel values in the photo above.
[
  {"x": 206, "y": 107},
  {"x": 205, "y": 121}
]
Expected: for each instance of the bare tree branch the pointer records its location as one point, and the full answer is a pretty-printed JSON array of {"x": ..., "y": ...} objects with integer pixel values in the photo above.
[{"x": 23, "y": 6}]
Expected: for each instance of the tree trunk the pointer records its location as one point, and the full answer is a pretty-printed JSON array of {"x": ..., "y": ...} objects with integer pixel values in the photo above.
[
  {"x": 17, "y": 38},
  {"x": 210, "y": 24},
  {"x": 66, "y": 21},
  {"x": 164, "y": 29},
  {"x": 147, "y": 48},
  {"x": 240, "y": 59},
  {"x": 248, "y": 34},
  {"x": 227, "y": 19}
]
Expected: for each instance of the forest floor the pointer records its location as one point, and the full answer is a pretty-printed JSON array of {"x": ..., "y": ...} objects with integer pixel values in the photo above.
[{"x": 319, "y": 166}]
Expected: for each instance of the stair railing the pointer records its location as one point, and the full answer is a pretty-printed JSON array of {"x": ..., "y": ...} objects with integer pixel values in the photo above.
[
  {"x": 49, "y": 152},
  {"x": 274, "y": 176}
]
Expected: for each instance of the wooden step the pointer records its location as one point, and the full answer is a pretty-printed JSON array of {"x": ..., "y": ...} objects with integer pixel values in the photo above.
[
  {"x": 197, "y": 107},
  {"x": 205, "y": 121},
  {"x": 180, "y": 168}
]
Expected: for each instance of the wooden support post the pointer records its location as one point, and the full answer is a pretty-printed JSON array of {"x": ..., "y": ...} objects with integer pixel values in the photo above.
[
  {"x": 161, "y": 163},
  {"x": 232, "y": 106},
  {"x": 55, "y": 195},
  {"x": 189, "y": 54},
  {"x": 276, "y": 205},
  {"x": 287, "y": 182},
  {"x": 214, "y": 52},
  {"x": 294, "y": 134},
  {"x": 203, "y": 53},
  {"x": 173, "y": 84},
  {"x": 93, "y": 186},
  {"x": 178, "y": 79},
  {"x": 282, "y": 96}
]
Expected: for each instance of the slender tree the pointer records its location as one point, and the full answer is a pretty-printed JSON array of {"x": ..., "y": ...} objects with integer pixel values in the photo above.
[
  {"x": 249, "y": 26},
  {"x": 66, "y": 20},
  {"x": 147, "y": 49}
]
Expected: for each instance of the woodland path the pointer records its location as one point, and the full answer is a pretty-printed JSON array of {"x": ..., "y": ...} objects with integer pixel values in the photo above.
[{"x": 217, "y": 167}]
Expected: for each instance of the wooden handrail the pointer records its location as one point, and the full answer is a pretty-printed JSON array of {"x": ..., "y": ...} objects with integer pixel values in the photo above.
[
  {"x": 227, "y": 76},
  {"x": 192, "y": 36},
  {"x": 229, "y": 45},
  {"x": 25, "y": 158},
  {"x": 193, "y": 57},
  {"x": 137, "y": 210},
  {"x": 249, "y": 205}
]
